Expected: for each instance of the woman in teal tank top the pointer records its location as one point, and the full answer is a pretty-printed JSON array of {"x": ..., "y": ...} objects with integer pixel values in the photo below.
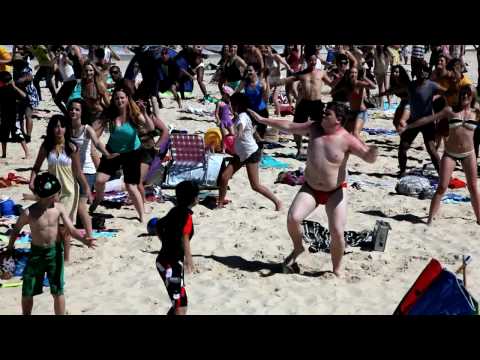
[{"x": 122, "y": 117}]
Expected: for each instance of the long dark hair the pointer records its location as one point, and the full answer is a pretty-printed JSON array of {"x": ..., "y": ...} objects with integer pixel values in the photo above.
[
  {"x": 49, "y": 142},
  {"x": 86, "y": 118},
  {"x": 403, "y": 79}
]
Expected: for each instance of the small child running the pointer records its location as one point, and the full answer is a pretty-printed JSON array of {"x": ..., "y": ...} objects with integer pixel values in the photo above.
[
  {"x": 175, "y": 231},
  {"x": 224, "y": 116},
  {"x": 46, "y": 251}
]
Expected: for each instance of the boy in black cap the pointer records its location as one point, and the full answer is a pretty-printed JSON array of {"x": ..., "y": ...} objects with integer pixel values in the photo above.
[
  {"x": 175, "y": 231},
  {"x": 46, "y": 252}
]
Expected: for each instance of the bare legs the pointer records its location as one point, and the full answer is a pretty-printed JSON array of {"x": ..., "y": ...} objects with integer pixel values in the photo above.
[
  {"x": 252, "y": 171},
  {"x": 141, "y": 187},
  {"x": 447, "y": 166},
  {"x": 84, "y": 216},
  {"x": 302, "y": 206},
  {"x": 136, "y": 198},
  {"x": 336, "y": 209},
  {"x": 132, "y": 189},
  {"x": 58, "y": 305}
]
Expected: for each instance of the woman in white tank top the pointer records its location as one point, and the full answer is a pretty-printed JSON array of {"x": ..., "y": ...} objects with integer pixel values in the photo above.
[{"x": 83, "y": 135}]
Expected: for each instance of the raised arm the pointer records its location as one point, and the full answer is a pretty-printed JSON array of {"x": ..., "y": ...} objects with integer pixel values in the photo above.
[
  {"x": 294, "y": 128},
  {"x": 367, "y": 83}
]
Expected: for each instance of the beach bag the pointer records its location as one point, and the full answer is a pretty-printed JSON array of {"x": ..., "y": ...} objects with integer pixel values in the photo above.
[{"x": 412, "y": 185}]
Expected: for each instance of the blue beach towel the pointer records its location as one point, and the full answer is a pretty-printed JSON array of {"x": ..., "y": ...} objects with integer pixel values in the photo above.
[
  {"x": 380, "y": 131},
  {"x": 452, "y": 198},
  {"x": 270, "y": 162}
]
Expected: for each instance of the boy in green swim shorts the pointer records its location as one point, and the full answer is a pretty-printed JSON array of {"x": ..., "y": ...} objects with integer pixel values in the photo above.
[{"x": 46, "y": 252}]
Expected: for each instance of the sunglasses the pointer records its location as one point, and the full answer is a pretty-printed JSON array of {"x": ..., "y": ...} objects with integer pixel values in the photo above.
[{"x": 116, "y": 72}]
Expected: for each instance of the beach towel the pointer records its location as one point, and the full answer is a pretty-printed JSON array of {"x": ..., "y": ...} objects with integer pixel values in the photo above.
[
  {"x": 199, "y": 111},
  {"x": 272, "y": 145},
  {"x": 452, "y": 198},
  {"x": 268, "y": 162},
  {"x": 380, "y": 131},
  {"x": 25, "y": 237},
  {"x": 318, "y": 237},
  {"x": 12, "y": 179},
  {"x": 105, "y": 233},
  {"x": 456, "y": 183}
]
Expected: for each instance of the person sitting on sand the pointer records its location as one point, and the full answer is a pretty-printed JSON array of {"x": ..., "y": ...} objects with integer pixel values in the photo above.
[
  {"x": 325, "y": 177},
  {"x": 46, "y": 256},
  {"x": 462, "y": 122},
  {"x": 247, "y": 153},
  {"x": 311, "y": 105},
  {"x": 175, "y": 231}
]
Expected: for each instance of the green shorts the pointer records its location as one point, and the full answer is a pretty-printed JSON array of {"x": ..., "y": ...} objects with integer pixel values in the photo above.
[{"x": 44, "y": 260}]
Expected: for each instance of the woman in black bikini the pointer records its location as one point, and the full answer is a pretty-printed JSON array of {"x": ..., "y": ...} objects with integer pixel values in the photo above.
[{"x": 462, "y": 122}]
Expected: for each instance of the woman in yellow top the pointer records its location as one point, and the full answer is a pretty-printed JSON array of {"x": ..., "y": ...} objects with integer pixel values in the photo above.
[{"x": 63, "y": 160}]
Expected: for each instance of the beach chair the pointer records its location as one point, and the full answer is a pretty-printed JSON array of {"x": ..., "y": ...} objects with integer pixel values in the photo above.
[
  {"x": 191, "y": 162},
  {"x": 438, "y": 291}
]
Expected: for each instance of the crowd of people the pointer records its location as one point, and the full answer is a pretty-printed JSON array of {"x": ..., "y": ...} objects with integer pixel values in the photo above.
[{"x": 437, "y": 99}]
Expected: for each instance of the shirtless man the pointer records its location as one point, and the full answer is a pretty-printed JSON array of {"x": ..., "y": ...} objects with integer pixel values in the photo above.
[
  {"x": 325, "y": 177},
  {"x": 47, "y": 252},
  {"x": 310, "y": 105}
]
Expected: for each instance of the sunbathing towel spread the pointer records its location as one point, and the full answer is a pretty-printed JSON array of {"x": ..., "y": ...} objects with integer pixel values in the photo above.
[
  {"x": 380, "y": 131},
  {"x": 270, "y": 162},
  {"x": 318, "y": 237},
  {"x": 452, "y": 198},
  {"x": 106, "y": 233}
]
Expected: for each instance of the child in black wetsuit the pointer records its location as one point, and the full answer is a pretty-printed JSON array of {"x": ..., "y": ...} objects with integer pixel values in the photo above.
[{"x": 175, "y": 231}]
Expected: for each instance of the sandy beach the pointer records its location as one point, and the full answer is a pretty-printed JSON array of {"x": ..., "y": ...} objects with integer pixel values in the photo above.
[{"x": 237, "y": 251}]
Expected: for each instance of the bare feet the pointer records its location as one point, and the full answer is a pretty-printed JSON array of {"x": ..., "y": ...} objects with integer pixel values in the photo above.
[{"x": 290, "y": 260}]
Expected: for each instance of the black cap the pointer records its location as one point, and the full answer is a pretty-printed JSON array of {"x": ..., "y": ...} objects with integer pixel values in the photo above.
[{"x": 46, "y": 185}]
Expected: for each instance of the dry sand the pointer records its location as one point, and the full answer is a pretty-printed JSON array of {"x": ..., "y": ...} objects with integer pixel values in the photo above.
[{"x": 237, "y": 250}]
